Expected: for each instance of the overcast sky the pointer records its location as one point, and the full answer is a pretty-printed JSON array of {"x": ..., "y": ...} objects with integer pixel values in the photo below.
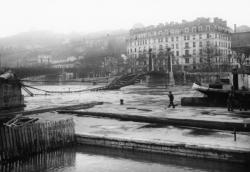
[{"x": 65, "y": 16}]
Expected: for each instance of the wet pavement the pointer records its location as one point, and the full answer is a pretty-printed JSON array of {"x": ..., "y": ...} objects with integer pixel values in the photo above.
[
  {"x": 141, "y": 100},
  {"x": 157, "y": 133}
]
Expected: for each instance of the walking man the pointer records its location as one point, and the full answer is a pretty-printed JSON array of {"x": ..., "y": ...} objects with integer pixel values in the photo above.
[{"x": 171, "y": 100}]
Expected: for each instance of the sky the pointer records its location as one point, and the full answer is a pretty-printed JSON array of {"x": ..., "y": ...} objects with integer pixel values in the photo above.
[{"x": 87, "y": 16}]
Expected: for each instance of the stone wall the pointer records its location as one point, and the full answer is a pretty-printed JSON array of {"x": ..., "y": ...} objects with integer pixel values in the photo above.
[
  {"x": 10, "y": 95},
  {"x": 167, "y": 148}
]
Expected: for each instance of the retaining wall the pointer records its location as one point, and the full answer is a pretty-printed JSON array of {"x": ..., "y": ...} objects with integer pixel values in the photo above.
[
  {"x": 167, "y": 148},
  {"x": 221, "y": 125}
]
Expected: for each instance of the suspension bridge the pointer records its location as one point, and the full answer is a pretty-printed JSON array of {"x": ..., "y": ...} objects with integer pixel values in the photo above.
[{"x": 117, "y": 83}]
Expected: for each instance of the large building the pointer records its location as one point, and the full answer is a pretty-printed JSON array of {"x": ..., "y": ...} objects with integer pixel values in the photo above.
[
  {"x": 190, "y": 43},
  {"x": 241, "y": 47}
]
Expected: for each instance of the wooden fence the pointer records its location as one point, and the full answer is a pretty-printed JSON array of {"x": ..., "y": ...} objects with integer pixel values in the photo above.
[{"x": 16, "y": 142}]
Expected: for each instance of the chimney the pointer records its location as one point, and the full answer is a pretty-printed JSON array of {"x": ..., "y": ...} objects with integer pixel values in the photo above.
[{"x": 234, "y": 28}]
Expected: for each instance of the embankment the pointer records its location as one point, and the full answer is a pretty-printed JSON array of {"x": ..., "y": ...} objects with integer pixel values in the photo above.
[
  {"x": 181, "y": 149},
  {"x": 220, "y": 125}
]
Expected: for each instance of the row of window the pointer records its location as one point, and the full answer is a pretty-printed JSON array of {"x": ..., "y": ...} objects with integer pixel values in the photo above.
[
  {"x": 202, "y": 51},
  {"x": 193, "y": 29},
  {"x": 177, "y": 38},
  {"x": 176, "y": 46}
]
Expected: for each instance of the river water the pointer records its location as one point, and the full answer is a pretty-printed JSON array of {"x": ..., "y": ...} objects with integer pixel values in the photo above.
[{"x": 97, "y": 159}]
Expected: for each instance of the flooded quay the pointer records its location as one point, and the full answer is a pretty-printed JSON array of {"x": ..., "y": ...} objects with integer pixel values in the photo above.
[
  {"x": 141, "y": 100},
  {"x": 93, "y": 159}
]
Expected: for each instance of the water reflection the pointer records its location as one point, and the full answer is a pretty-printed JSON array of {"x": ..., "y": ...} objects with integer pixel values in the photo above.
[
  {"x": 90, "y": 159},
  {"x": 60, "y": 159}
]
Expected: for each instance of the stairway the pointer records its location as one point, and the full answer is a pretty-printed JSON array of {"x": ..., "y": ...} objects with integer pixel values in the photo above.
[{"x": 122, "y": 81}]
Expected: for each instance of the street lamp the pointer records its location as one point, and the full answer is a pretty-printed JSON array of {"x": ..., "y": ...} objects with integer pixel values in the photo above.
[{"x": 170, "y": 66}]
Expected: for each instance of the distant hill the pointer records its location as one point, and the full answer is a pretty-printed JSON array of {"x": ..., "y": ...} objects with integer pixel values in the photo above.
[
  {"x": 105, "y": 33},
  {"x": 33, "y": 39},
  {"x": 28, "y": 45}
]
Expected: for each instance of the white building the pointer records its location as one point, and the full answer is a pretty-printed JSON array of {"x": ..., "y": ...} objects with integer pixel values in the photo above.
[
  {"x": 44, "y": 59},
  {"x": 188, "y": 42}
]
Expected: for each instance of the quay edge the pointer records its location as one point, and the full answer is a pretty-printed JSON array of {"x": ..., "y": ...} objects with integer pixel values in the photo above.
[
  {"x": 220, "y": 125},
  {"x": 221, "y": 154}
]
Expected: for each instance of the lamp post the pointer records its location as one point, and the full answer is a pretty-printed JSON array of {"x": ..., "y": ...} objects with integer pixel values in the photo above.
[
  {"x": 150, "y": 64},
  {"x": 170, "y": 67}
]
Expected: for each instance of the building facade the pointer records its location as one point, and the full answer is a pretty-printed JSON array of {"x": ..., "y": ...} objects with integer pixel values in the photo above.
[
  {"x": 190, "y": 44},
  {"x": 241, "y": 47}
]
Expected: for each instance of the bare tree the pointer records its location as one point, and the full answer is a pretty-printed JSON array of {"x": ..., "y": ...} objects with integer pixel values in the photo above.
[
  {"x": 208, "y": 55},
  {"x": 241, "y": 57}
]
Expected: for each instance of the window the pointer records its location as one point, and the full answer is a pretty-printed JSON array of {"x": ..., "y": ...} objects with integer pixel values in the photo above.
[
  {"x": 200, "y": 44},
  {"x": 166, "y": 39},
  {"x": 208, "y": 28},
  {"x": 185, "y": 37},
  {"x": 172, "y": 46},
  {"x": 177, "y": 53},
  {"x": 215, "y": 35},
  {"x": 194, "y": 52},
  {"x": 200, "y": 51},
  {"x": 200, "y": 36},
  {"x": 208, "y": 35},
  {"x": 186, "y": 29},
  {"x": 194, "y": 29},
  {"x": 200, "y": 28},
  {"x": 177, "y": 46},
  {"x": 172, "y": 38},
  {"x": 186, "y": 45},
  {"x": 186, "y": 52},
  {"x": 160, "y": 47},
  {"x": 188, "y": 37},
  {"x": 193, "y": 37},
  {"x": 194, "y": 44},
  {"x": 135, "y": 49},
  {"x": 187, "y": 60},
  {"x": 177, "y": 38}
]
